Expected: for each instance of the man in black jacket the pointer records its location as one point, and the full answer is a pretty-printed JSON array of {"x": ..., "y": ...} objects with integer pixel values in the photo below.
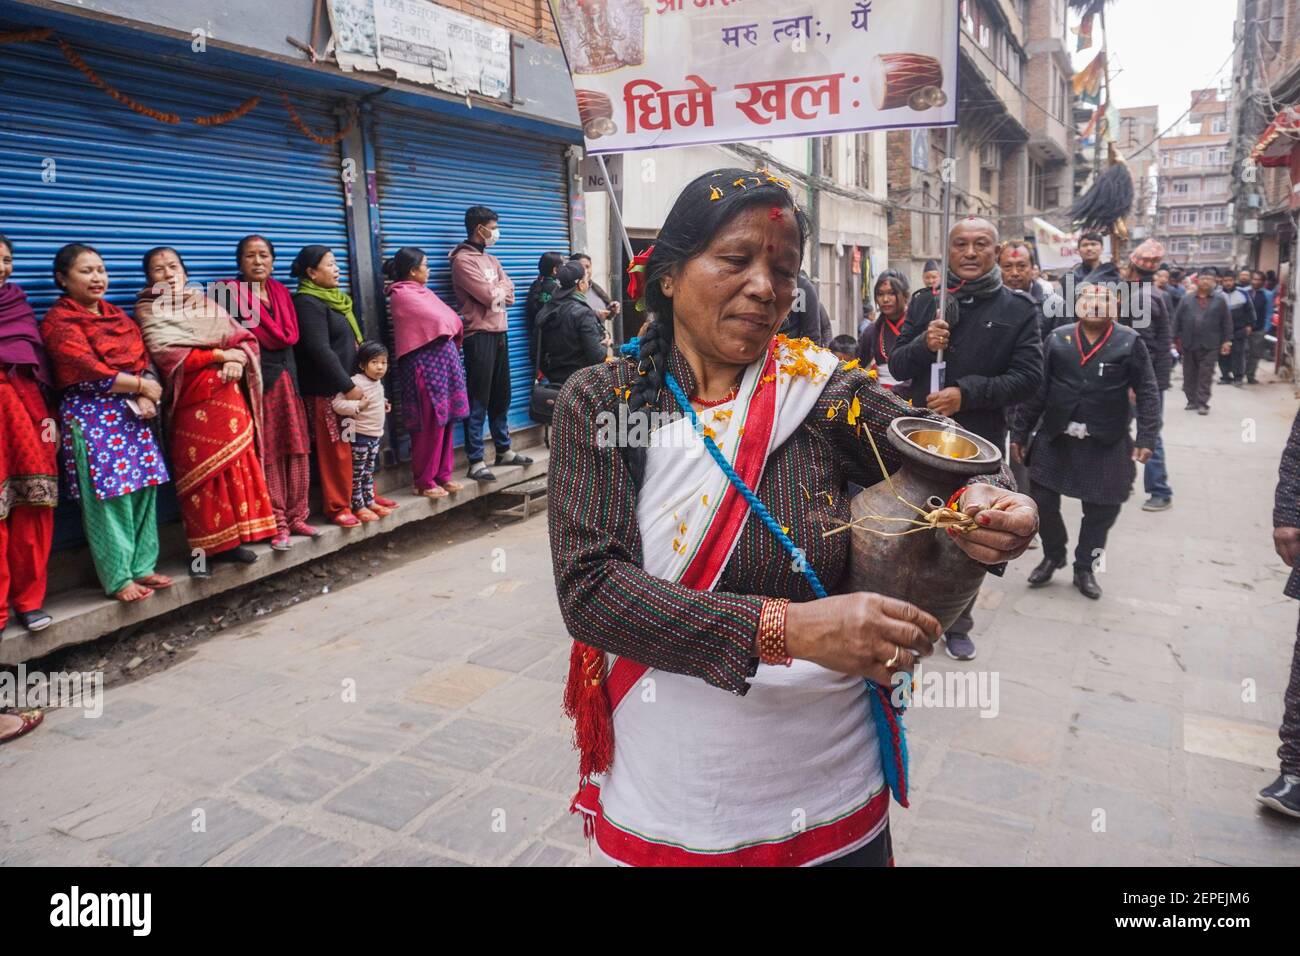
[
  {"x": 992, "y": 350},
  {"x": 1147, "y": 312},
  {"x": 572, "y": 336},
  {"x": 1202, "y": 331},
  {"x": 992, "y": 353},
  {"x": 1083, "y": 449},
  {"x": 1232, "y": 367},
  {"x": 1090, "y": 246}
]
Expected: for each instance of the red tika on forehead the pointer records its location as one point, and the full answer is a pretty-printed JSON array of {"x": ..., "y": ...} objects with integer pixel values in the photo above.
[{"x": 776, "y": 212}]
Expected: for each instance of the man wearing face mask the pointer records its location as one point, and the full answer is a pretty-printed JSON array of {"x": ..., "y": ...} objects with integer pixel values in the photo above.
[{"x": 483, "y": 291}]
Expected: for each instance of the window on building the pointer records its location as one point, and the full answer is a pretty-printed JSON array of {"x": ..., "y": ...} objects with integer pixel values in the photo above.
[
  {"x": 1182, "y": 187},
  {"x": 1219, "y": 124},
  {"x": 862, "y": 160},
  {"x": 1036, "y": 185},
  {"x": 986, "y": 180},
  {"x": 828, "y": 157},
  {"x": 1052, "y": 197},
  {"x": 1214, "y": 216}
]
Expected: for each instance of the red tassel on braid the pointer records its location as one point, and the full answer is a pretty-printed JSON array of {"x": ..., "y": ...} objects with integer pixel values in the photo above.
[{"x": 587, "y": 704}]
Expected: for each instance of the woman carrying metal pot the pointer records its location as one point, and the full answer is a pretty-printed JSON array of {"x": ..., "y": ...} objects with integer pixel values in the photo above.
[{"x": 722, "y": 716}]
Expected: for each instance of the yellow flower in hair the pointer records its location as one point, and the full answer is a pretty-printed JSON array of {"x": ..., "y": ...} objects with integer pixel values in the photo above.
[
  {"x": 739, "y": 182},
  {"x": 714, "y": 193},
  {"x": 872, "y": 373},
  {"x": 850, "y": 366}
]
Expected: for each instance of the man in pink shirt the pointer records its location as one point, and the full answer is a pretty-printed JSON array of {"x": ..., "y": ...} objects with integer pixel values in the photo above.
[{"x": 484, "y": 291}]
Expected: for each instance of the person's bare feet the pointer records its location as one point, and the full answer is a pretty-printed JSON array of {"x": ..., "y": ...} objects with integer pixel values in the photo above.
[
  {"x": 133, "y": 592},
  {"x": 452, "y": 486},
  {"x": 156, "y": 581}
]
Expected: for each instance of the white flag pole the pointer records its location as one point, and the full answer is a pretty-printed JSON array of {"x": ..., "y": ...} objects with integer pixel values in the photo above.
[
  {"x": 613, "y": 206},
  {"x": 945, "y": 191}
]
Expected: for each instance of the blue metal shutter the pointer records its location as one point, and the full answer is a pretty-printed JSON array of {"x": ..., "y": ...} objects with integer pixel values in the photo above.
[
  {"x": 125, "y": 183},
  {"x": 429, "y": 173}
]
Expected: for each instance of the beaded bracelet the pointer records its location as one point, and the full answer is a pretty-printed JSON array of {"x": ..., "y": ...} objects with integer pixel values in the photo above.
[{"x": 771, "y": 632}]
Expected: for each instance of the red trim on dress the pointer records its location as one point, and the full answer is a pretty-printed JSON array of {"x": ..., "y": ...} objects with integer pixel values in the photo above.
[{"x": 799, "y": 849}]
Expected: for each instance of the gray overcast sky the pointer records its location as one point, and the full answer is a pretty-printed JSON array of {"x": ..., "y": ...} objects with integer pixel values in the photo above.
[{"x": 1160, "y": 52}]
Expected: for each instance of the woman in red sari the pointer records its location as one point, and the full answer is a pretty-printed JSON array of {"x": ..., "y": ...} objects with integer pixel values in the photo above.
[
  {"x": 265, "y": 307},
  {"x": 213, "y": 399},
  {"x": 28, "y": 461}
]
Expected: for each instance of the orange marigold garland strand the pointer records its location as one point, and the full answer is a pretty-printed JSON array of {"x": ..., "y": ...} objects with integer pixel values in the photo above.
[
  {"x": 307, "y": 130},
  {"x": 27, "y": 36},
  {"x": 240, "y": 111},
  {"x": 71, "y": 56}
]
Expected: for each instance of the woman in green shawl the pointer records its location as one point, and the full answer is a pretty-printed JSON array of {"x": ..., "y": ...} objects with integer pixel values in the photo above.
[{"x": 328, "y": 335}]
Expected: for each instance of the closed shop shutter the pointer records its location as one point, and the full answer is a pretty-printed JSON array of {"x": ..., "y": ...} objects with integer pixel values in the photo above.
[
  {"x": 429, "y": 172},
  {"x": 76, "y": 166}
]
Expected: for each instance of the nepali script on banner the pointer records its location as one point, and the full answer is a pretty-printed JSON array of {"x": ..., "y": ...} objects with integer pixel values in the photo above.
[
  {"x": 422, "y": 42},
  {"x": 655, "y": 73}
]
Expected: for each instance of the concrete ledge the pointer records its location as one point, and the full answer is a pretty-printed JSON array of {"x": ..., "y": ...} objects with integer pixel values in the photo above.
[{"x": 85, "y": 614}]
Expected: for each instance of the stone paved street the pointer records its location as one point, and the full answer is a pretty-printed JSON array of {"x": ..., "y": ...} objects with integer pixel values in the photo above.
[{"x": 413, "y": 718}]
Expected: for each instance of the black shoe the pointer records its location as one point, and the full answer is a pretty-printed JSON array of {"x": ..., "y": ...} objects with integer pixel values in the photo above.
[
  {"x": 37, "y": 620},
  {"x": 1225, "y": 381},
  {"x": 511, "y": 458},
  {"x": 1252, "y": 381},
  {"x": 1156, "y": 503},
  {"x": 959, "y": 647},
  {"x": 479, "y": 472},
  {"x": 1191, "y": 407},
  {"x": 1203, "y": 410},
  {"x": 1282, "y": 795},
  {"x": 200, "y": 572},
  {"x": 1043, "y": 573},
  {"x": 237, "y": 555},
  {"x": 1087, "y": 584}
]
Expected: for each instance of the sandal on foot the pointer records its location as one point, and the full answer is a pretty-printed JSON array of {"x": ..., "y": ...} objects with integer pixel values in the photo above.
[
  {"x": 137, "y": 592},
  {"x": 452, "y": 486},
  {"x": 346, "y": 519},
  {"x": 386, "y": 502},
  {"x": 434, "y": 492},
  {"x": 303, "y": 529},
  {"x": 37, "y": 620},
  {"x": 281, "y": 542},
  {"x": 29, "y": 720},
  {"x": 156, "y": 581},
  {"x": 365, "y": 514},
  {"x": 380, "y": 510}
]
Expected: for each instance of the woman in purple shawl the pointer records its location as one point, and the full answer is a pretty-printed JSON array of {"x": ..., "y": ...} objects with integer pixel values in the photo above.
[
  {"x": 29, "y": 443},
  {"x": 431, "y": 374}
]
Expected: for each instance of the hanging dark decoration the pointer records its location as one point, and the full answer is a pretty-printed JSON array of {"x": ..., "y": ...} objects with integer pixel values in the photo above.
[{"x": 1106, "y": 202}]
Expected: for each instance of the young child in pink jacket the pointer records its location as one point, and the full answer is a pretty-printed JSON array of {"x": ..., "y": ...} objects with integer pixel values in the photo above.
[{"x": 363, "y": 427}]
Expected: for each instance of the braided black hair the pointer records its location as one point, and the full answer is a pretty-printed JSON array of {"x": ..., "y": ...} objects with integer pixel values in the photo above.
[{"x": 691, "y": 225}]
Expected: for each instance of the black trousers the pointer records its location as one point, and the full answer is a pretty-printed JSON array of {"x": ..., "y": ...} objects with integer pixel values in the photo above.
[
  {"x": 1233, "y": 365},
  {"x": 1289, "y": 753},
  {"x": 1097, "y": 521},
  {"x": 879, "y": 852}
]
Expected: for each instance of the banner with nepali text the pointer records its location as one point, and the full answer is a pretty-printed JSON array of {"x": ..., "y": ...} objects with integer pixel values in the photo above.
[{"x": 658, "y": 73}]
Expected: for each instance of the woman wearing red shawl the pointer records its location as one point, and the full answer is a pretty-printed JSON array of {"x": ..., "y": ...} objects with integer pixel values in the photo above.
[
  {"x": 213, "y": 397},
  {"x": 265, "y": 307},
  {"x": 110, "y": 455},
  {"x": 29, "y": 481},
  {"x": 878, "y": 339},
  {"x": 431, "y": 373}
]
